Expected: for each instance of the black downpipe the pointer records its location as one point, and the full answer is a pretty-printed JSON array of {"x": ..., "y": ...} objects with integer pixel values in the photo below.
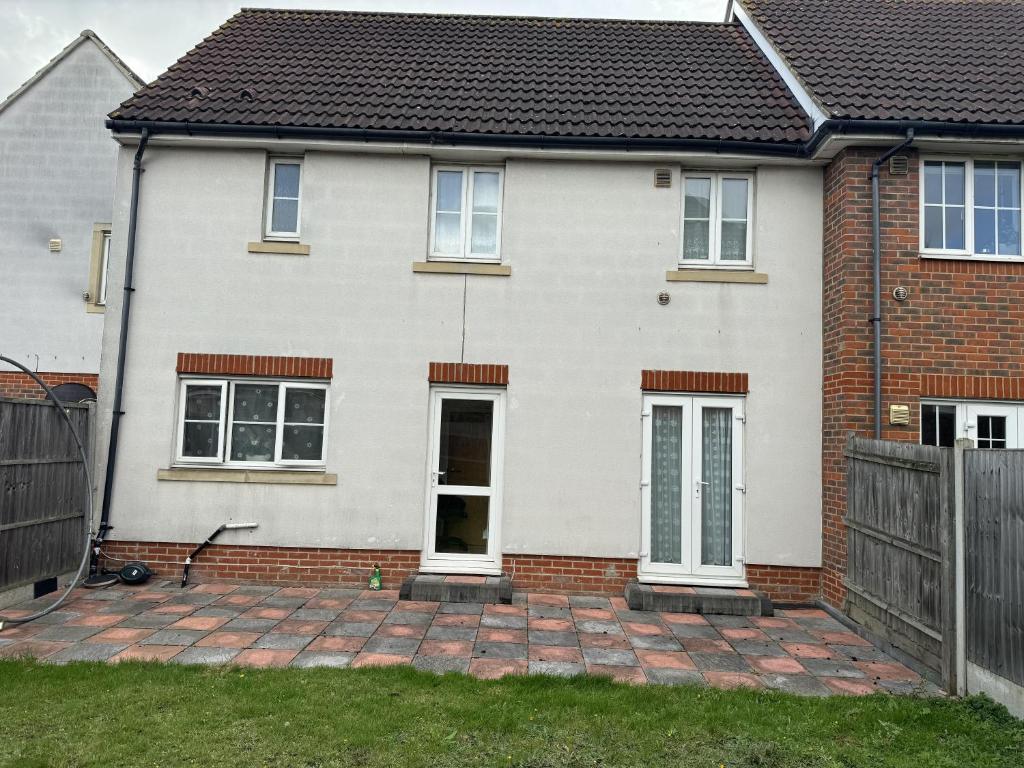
[
  {"x": 122, "y": 346},
  {"x": 876, "y": 277}
]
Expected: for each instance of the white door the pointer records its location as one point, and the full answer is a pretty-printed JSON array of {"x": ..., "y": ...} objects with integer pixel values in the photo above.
[
  {"x": 464, "y": 482},
  {"x": 991, "y": 425},
  {"x": 692, "y": 490}
]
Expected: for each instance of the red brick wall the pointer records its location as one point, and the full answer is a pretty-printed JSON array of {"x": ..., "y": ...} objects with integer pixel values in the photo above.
[
  {"x": 351, "y": 567},
  {"x": 20, "y": 385},
  {"x": 962, "y": 326},
  {"x": 694, "y": 381},
  {"x": 256, "y": 365},
  {"x": 468, "y": 373}
]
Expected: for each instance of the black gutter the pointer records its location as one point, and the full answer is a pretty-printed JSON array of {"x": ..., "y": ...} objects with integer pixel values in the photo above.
[
  {"x": 876, "y": 277},
  {"x": 718, "y": 146},
  {"x": 122, "y": 344}
]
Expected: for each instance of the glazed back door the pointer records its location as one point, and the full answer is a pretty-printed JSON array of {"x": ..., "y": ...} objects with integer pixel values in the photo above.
[
  {"x": 464, "y": 493},
  {"x": 691, "y": 490},
  {"x": 992, "y": 425}
]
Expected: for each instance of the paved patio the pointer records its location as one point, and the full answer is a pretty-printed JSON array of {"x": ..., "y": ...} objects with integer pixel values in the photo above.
[{"x": 800, "y": 651}]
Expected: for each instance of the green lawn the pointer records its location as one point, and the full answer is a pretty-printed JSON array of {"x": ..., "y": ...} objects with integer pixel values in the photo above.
[{"x": 137, "y": 714}]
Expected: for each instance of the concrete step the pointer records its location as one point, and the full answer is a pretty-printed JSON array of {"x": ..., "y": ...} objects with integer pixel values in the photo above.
[
  {"x": 457, "y": 589},
  {"x": 721, "y": 600}
]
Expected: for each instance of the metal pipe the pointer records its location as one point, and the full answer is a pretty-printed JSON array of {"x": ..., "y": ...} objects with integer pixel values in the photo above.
[
  {"x": 87, "y": 514},
  {"x": 122, "y": 344},
  {"x": 876, "y": 278},
  {"x": 205, "y": 544}
]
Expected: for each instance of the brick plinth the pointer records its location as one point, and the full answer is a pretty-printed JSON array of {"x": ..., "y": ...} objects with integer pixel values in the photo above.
[
  {"x": 351, "y": 567},
  {"x": 21, "y": 386},
  {"x": 959, "y": 333}
]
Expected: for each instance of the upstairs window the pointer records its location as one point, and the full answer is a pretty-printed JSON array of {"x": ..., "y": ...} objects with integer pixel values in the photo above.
[
  {"x": 247, "y": 423},
  {"x": 971, "y": 208},
  {"x": 716, "y": 228},
  {"x": 283, "y": 197},
  {"x": 465, "y": 221}
]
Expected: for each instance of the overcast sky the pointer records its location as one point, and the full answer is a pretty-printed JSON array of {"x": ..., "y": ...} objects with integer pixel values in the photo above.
[{"x": 149, "y": 35}]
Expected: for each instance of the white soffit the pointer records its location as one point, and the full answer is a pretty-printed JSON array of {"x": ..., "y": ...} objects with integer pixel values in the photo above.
[{"x": 809, "y": 105}]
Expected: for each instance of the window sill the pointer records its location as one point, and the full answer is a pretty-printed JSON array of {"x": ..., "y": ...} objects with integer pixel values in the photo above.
[
  {"x": 971, "y": 257},
  {"x": 95, "y": 309},
  {"x": 716, "y": 276},
  {"x": 280, "y": 248},
  {"x": 264, "y": 476},
  {"x": 462, "y": 268}
]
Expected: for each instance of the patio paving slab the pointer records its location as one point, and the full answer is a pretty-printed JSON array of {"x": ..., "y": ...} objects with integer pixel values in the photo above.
[{"x": 800, "y": 651}]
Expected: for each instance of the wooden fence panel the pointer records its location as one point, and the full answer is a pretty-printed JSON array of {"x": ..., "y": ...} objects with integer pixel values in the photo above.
[
  {"x": 42, "y": 497},
  {"x": 994, "y": 545},
  {"x": 900, "y": 577}
]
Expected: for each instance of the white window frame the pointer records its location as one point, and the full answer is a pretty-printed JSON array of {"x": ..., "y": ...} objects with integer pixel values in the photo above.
[
  {"x": 268, "y": 206},
  {"x": 967, "y": 411},
  {"x": 465, "y": 230},
  {"x": 968, "y": 251},
  {"x": 101, "y": 298},
  {"x": 714, "y": 259},
  {"x": 223, "y": 457}
]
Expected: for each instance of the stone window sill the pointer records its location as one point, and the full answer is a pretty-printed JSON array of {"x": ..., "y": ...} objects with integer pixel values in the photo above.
[
  {"x": 264, "y": 476},
  {"x": 971, "y": 257},
  {"x": 716, "y": 276},
  {"x": 462, "y": 268},
  {"x": 279, "y": 248},
  {"x": 95, "y": 309}
]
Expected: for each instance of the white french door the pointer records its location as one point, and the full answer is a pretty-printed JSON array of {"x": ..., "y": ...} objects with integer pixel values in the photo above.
[
  {"x": 692, "y": 490},
  {"x": 991, "y": 425},
  {"x": 464, "y": 481}
]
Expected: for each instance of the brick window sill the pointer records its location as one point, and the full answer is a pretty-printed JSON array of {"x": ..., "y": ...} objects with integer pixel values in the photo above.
[
  {"x": 716, "y": 276},
  {"x": 279, "y": 248},
  {"x": 262, "y": 476},
  {"x": 462, "y": 268}
]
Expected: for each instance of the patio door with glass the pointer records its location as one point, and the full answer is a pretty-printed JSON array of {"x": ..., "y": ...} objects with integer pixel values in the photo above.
[
  {"x": 992, "y": 425},
  {"x": 692, "y": 490},
  {"x": 464, "y": 482}
]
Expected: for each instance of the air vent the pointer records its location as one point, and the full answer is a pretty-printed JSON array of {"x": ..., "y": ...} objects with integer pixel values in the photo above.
[
  {"x": 899, "y": 414},
  {"x": 899, "y": 165},
  {"x": 662, "y": 178},
  {"x": 55, "y": 244}
]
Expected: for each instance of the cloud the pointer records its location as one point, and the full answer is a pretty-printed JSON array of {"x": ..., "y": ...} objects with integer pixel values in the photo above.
[{"x": 150, "y": 35}]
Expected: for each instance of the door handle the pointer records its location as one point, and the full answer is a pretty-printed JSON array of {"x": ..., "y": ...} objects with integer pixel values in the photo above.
[{"x": 435, "y": 476}]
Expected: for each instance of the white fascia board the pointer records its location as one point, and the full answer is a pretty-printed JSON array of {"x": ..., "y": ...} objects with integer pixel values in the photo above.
[{"x": 803, "y": 96}]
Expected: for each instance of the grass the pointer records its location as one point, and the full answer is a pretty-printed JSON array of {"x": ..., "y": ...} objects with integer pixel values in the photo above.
[{"x": 139, "y": 714}]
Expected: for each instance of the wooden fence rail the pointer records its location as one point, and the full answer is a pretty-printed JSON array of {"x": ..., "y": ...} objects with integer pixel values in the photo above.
[{"x": 42, "y": 497}]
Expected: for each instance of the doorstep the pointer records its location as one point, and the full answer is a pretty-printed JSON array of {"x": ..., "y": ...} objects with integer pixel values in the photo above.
[
  {"x": 457, "y": 588},
  {"x": 680, "y": 599}
]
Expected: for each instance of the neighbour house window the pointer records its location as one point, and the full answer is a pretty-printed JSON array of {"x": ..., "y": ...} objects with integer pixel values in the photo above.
[
  {"x": 971, "y": 207},
  {"x": 252, "y": 423},
  {"x": 101, "y": 297},
  {"x": 716, "y": 227},
  {"x": 283, "y": 196},
  {"x": 938, "y": 425},
  {"x": 96, "y": 290},
  {"x": 465, "y": 221}
]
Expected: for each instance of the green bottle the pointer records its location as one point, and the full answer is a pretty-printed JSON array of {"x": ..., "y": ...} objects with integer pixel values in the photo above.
[{"x": 375, "y": 580}]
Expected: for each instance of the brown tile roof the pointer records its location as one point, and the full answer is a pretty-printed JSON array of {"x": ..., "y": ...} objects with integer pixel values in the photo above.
[
  {"x": 942, "y": 60},
  {"x": 477, "y": 75}
]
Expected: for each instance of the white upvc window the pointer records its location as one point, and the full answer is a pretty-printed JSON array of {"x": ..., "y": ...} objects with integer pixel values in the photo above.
[
  {"x": 971, "y": 208},
  {"x": 283, "y": 206},
  {"x": 465, "y": 217},
  {"x": 252, "y": 423},
  {"x": 101, "y": 297},
  {"x": 717, "y": 219}
]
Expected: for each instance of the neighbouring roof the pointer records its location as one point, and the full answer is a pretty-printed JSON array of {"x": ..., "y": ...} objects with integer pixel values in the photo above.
[
  {"x": 86, "y": 34},
  {"x": 477, "y": 75},
  {"x": 936, "y": 60}
]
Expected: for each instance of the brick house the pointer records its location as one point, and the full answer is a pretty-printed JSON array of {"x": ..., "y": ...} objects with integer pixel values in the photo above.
[
  {"x": 952, "y": 293},
  {"x": 637, "y": 323},
  {"x": 56, "y": 194}
]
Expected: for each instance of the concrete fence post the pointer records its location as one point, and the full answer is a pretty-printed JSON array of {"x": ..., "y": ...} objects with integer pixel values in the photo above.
[{"x": 960, "y": 564}]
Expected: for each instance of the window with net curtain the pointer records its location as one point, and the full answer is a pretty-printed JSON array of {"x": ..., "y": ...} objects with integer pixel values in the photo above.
[
  {"x": 466, "y": 215},
  {"x": 716, "y": 226}
]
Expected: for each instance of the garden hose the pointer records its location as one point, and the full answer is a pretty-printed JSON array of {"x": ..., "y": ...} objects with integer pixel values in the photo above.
[{"x": 88, "y": 501}]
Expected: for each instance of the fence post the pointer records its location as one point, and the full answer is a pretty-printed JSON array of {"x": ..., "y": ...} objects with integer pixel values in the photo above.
[{"x": 960, "y": 565}]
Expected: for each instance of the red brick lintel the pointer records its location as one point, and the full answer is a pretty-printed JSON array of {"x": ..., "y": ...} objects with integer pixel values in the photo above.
[
  {"x": 256, "y": 365},
  {"x": 468, "y": 373},
  {"x": 694, "y": 381},
  {"x": 972, "y": 387}
]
